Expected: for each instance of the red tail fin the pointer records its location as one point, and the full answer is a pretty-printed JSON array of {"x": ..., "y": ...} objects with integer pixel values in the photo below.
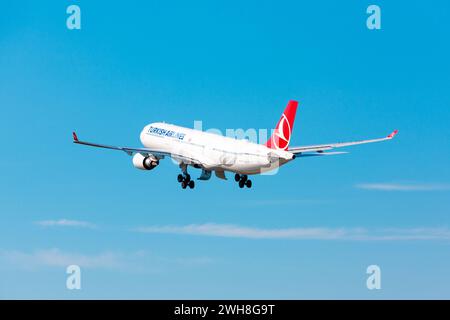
[{"x": 282, "y": 133}]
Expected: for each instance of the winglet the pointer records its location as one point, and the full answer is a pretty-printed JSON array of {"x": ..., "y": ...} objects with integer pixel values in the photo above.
[
  {"x": 392, "y": 134},
  {"x": 75, "y": 138}
]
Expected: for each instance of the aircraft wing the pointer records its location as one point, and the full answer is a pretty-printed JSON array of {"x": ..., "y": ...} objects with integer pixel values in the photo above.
[
  {"x": 319, "y": 149},
  {"x": 127, "y": 150},
  {"x": 131, "y": 151}
]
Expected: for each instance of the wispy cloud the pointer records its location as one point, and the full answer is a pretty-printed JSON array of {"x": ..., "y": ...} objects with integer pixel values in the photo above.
[
  {"x": 139, "y": 261},
  {"x": 58, "y": 258},
  {"x": 353, "y": 234},
  {"x": 411, "y": 234},
  {"x": 403, "y": 186},
  {"x": 65, "y": 223},
  {"x": 234, "y": 231}
]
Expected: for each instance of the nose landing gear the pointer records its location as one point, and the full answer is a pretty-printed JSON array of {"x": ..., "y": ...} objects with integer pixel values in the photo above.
[{"x": 243, "y": 180}]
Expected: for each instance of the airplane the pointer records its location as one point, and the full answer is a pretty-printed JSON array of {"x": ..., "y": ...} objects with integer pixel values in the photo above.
[{"x": 219, "y": 154}]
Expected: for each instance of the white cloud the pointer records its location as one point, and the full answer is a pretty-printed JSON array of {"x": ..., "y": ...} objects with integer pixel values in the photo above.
[
  {"x": 234, "y": 231},
  {"x": 58, "y": 258},
  {"x": 353, "y": 234},
  {"x": 403, "y": 187},
  {"x": 65, "y": 223},
  {"x": 138, "y": 261},
  {"x": 412, "y": 234}
]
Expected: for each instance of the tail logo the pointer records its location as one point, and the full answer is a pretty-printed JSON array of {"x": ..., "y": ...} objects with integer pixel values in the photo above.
[{"x": 282, "y": 134}]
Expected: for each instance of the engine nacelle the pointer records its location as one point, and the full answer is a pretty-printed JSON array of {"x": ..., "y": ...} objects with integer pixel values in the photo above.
[{"x": 144, "y": 163}]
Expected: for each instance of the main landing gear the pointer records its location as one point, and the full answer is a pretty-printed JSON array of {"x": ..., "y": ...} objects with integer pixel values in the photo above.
[
  {"x": 243, "y": 180},
  {"x": 185, "y": 180}
]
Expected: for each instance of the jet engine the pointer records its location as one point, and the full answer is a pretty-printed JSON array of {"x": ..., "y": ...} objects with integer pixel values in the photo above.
[{"x": 144, "y": 162}]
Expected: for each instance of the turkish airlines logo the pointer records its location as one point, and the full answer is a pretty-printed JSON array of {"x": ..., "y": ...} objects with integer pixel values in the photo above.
[{"x": 282, "y": 134}]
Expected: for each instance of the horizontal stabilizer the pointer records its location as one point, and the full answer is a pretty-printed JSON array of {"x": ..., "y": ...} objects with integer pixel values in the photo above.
[{"x": 320, "y": 154}]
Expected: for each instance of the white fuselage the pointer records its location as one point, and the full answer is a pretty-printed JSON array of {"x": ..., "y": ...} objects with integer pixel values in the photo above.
[{"x": 212, "y": 151}]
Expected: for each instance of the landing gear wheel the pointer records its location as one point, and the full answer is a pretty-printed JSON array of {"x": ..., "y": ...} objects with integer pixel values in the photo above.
[
  {"x": 187, "y": 178},
  {"x": 248, "y": 183},
  {"x": 237, "y": 177},
  {"x": 244, "y": 177},
  {"x": 184, "y": 184},
  {"x": 241, "y": 183},
  {"x": 191, "y": 184},
  {"x": 180, "y": 178}
]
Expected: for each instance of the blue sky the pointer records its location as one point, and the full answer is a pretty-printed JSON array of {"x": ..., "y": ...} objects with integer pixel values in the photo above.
[{"x": 308, "y": 232}]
